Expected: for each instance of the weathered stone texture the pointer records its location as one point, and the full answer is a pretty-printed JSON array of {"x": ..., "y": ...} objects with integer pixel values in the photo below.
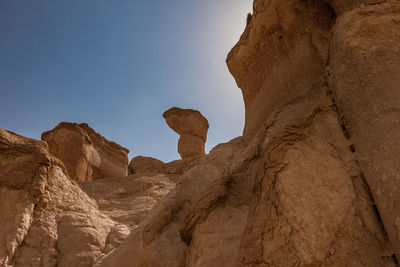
[
  {"x": 86, "y": 154},
  {"x": 47, "y": 220},
  {"x": 192, "y": 128},
  {"x": 314, "y": 180},
  {"x": 292, "y": 195},
  {"x": 365, "y": 76}
]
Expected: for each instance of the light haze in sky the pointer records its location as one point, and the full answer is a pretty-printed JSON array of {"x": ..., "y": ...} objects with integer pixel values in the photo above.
[{"x": 118, "y": 65}]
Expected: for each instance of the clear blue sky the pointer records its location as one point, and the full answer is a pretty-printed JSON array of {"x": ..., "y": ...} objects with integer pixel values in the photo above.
[{"x": 118, "y": 65}]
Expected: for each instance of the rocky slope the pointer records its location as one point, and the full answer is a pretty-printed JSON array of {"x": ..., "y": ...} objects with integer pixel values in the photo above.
[{"x": 313, "y": 181}]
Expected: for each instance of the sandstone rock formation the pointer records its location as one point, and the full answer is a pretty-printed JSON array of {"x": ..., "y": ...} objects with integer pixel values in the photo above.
[
  {"x": 47, "y": 220},
  {"x": 313, "y": 181},
  {"x": 304, "y": 186},
  {"x": 291, "y": 195},
  {"x": 351, "y": 46},
  {"x": 192, "y": 128},
  {"x": 86, "y": 154},
  {"x": 127, "y": 200},
  {"x": 148, "y": 165},
  {"x": 365, "y": 76}
]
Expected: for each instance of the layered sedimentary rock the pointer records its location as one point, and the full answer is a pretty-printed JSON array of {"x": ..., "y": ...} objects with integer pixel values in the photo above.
[
  {"x": 192, "y": 128},
  {"x": 46, "y": 218},
  {"x": 86, "y": 154}
]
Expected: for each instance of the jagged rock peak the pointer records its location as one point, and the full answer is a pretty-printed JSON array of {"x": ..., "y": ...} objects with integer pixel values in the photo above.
[
  {"x": 86, "y": 154},
  {"x": 192, "y": 127}
]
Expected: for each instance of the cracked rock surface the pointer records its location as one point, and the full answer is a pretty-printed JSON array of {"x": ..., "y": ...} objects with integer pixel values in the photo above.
[
  {"x": 86, "y": 154},
  {"x": 48, "y": 220},
  {"x": 192, "y": 128},
  {"x": 313, "y": 181}
]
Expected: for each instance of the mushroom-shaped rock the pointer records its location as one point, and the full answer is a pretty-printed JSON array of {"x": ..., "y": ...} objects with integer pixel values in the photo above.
[
  {"x": 192, "y": 127},
  {"x": 86, "y": 154}
]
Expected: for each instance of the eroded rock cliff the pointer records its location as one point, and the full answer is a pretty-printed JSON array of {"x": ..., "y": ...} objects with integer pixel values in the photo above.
[
  {"x": 86, "y": 154},
  {"x": 313, "y": 181},
  {"x": 192, "y": 128},
  {"x": 48, "y": 220}
]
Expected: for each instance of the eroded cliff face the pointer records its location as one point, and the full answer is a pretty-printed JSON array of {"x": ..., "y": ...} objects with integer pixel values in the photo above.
[
  {"x": 192, "y": 128},
  {"x": 352, "y": 48},
  {"x": 314, "y": 180},
  {"x": 86, "y": 154},
  {"x": 48, "y": 220},
  {"x": 319, "y": 85},
  {"x": 292, "y": 195}
]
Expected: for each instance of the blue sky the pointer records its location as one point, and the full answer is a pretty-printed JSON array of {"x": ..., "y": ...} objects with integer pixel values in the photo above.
[{"x": 118, "y": 65}]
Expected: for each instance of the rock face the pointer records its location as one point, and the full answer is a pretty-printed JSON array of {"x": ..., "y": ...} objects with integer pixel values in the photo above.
[
  {"x": 365, "y": 76},
  {"x": 349, "y": 46},
  {"x": 192, "y": 128},
  {"x": 50, "y": 221},
  {"x": 291, "y": 195},
  {"x": 46, "y": 218},
  {"x": 141, "y": 164},
  {"x": 294, "y": 40},
  {"x": 86, "y": 154},
  {"x": 314, "y": 180}
]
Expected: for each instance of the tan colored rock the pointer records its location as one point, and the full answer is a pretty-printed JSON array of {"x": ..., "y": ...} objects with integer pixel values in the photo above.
[
  {"x": 47, "y": 220},
  {"x": 281, "y": 55},
  {"x": 291, "y": 192},
  {"x": 129, "y": 199},
  {"x": 86, "y": 154},
  {"x": 313, "y": 181},
  {"x": 192, "y": 128},
  {"x": 285, "y": 197},
  {"x": 142, "y": 164},
  {"x": 365, "y": 76}
]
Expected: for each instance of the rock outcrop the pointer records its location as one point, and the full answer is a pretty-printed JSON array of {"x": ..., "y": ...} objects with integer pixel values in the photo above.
[
  {"x": 304, "y": 186},
  {"x": 142, "y": 164},
  {"x": 48, "y": 220},
  {"x": 148, "y": 165},
  {"x": 192, "y": 128},
  {"x": 313, "y": 181},
  {"x": 352, "y": 48},
  {"x": 86, "y": 154}
]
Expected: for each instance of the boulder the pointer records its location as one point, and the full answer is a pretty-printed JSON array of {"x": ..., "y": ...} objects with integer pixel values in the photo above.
[
  {"x": 192, "y": 127},
  {"x": 86, "y": 154},
  {"x": 142, "y": 164}
]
